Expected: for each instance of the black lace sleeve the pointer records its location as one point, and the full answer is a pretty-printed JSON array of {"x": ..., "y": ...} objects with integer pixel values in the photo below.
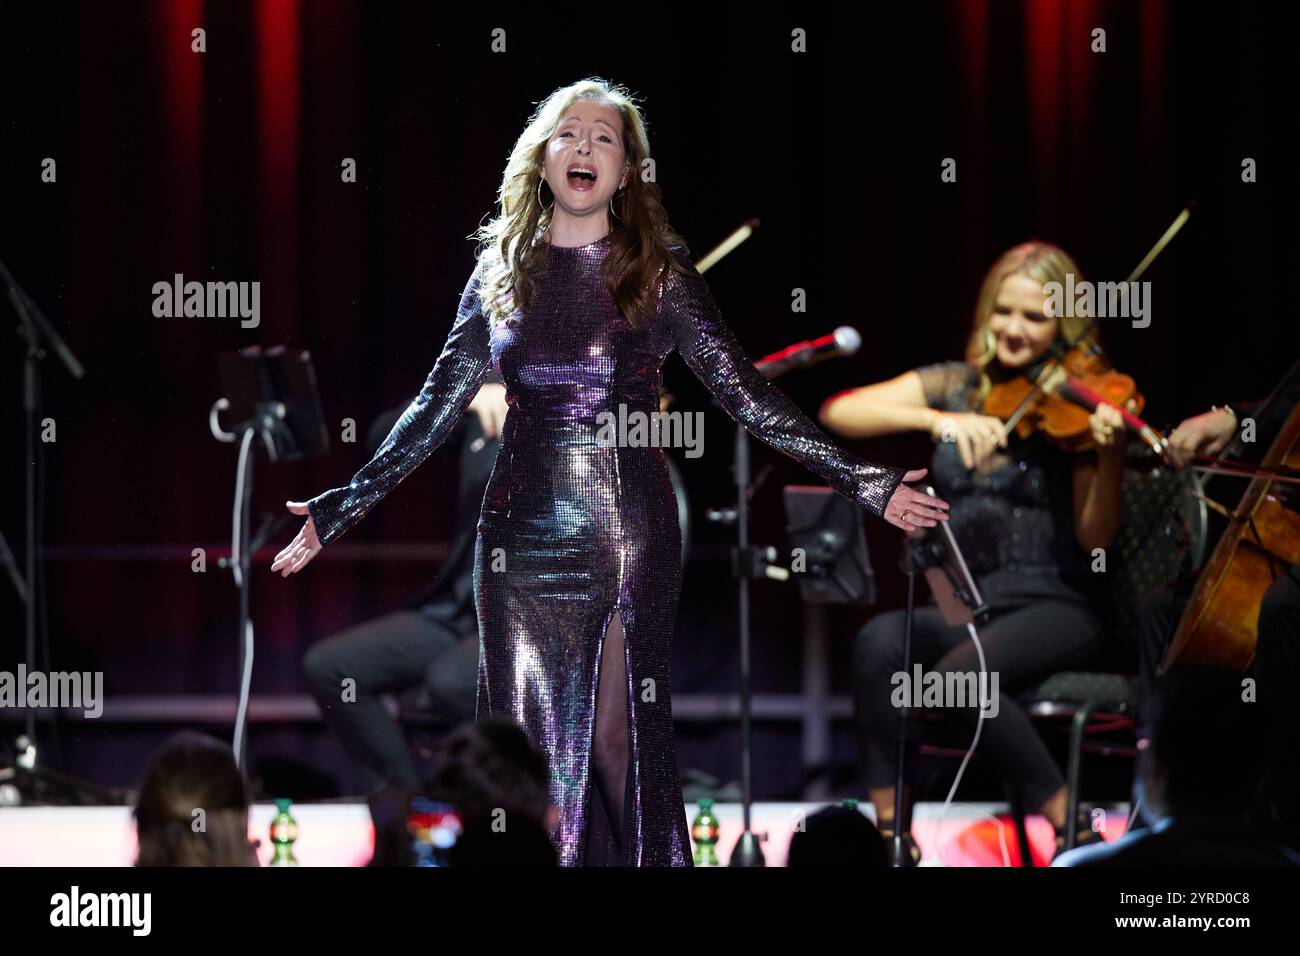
[
  {"x": 947, "y": 385},
  {"x": 716, "y": 358},
  {"x": 426, "y": 423}
]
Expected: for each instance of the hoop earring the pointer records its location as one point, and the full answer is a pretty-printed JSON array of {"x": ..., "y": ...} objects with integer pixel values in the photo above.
[
  {"x": 611, "y": 209},
  {"x": 539, "y": 197}
]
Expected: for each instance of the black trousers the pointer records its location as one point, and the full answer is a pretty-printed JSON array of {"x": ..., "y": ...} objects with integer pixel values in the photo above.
[
  {"x": 1037, "y": 627},
  {"x": 387, "y": 655}
]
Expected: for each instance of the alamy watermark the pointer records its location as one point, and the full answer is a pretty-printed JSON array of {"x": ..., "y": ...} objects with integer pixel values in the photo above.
[
  {"x": 82, "y": 690},
  {"x": 935, "y": 689},
  {"x": 133, "y": 911},
  {"x": 638, "y": 429},
  {"x": 209, "y": 300},
  {"x": 1100, "y": 300}
]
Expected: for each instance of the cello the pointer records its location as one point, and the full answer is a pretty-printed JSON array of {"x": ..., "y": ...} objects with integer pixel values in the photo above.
[{"x": 1262, "y": 541}]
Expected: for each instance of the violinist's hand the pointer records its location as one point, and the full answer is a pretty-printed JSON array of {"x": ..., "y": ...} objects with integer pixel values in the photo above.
[
  {"x": 1204, "y": 434},
  {"x": 910, "y": 509},
  {"x": 976, "y": 435},
  {"x": 490, "y": 407},
  {"x": 1109, "y": 433},
  {"x": 302, "y": 548}
]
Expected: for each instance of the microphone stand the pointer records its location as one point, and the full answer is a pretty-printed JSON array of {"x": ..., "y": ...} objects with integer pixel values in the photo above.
[
  {"x": 749, "y": 562},
  {"x": 757, "y": 562},
  {"x": 899, "y": 856},
  {"x": 33, "y": 328}
]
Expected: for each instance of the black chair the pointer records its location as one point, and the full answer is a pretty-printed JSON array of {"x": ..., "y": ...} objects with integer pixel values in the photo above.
[
  {"x": 1162, "y": 538},
  {"x": 1101, "y": 711}
]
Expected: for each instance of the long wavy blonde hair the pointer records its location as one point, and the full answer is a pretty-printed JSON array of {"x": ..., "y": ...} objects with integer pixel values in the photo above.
[
  {"x": 640, "y": 243},
  {"x": 1040, "y": 261}
]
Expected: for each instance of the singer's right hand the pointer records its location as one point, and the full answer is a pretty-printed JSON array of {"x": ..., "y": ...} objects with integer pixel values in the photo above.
[
  {"x": 302, "y": 548},
  {"x": 976, "y": 435}
]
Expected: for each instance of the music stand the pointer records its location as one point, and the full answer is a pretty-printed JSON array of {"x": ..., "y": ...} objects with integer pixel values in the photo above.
[
  {"x": 271, "y": 395},
  {"x": 827, "y": 527}
]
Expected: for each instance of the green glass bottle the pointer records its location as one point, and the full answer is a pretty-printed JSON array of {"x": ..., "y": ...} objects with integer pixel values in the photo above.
[
  {"x": 704, "y": 831},
  {"x": 284, "y": 830}
]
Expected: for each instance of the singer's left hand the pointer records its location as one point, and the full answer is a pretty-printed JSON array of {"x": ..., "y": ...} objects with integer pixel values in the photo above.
[{"x": 910, "y": 509}]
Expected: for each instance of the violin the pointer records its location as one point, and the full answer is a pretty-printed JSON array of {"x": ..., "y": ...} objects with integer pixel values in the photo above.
[{"x": 1058, "y": 399}]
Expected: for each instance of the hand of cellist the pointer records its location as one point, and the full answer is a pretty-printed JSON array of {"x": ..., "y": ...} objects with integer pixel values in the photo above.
[{"x": 1204, "y": 434}]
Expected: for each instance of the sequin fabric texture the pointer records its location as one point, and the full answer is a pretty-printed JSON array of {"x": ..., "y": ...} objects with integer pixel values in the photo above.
[{"x": 572, "y": 530}]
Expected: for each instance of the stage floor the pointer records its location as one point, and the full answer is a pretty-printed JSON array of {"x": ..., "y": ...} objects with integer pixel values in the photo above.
[{"x": 339, "y": 834}]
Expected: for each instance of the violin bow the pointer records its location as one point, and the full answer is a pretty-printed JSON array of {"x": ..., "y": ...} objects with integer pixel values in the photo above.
[
  {"x": 1085, "y": 337},
  {"x": 1221, "y": 466}
]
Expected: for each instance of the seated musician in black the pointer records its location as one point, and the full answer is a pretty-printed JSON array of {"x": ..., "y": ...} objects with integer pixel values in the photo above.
[
  {"x": 1027, "y": 515},
  {"x": 1276, "y": 668},
  {"x": 433, "y": 643}
]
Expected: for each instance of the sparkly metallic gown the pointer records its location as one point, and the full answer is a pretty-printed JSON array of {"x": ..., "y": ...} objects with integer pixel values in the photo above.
[{"x": 573, "y": 531}]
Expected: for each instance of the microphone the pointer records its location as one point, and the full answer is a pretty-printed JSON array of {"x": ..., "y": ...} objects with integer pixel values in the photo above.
[{"x": 843, "y": 341}]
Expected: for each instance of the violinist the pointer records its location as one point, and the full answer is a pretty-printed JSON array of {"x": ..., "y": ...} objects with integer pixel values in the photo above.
[{"x": 1027, "y": 515}]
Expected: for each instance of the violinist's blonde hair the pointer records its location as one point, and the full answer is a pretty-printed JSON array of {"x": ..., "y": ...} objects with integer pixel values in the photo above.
[{"x": 1040, "y": 261}]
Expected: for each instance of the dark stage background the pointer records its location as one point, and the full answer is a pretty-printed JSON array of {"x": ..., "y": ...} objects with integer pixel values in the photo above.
[{"x": 226, "y": 165}]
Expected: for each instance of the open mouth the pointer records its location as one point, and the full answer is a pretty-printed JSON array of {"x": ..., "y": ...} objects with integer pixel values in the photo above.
[{"x": 582, "y": 178}]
